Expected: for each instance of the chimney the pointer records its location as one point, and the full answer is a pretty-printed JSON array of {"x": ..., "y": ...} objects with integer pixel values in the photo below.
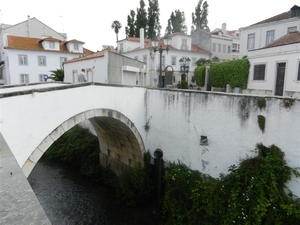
[
  {"x": 142, "y": 38},
  {"x": 224, "y": 28},
  {"x": 28, "y": 26}
]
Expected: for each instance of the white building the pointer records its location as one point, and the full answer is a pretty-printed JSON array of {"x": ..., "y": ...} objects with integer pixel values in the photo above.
[
  {"x": 28, "y": 60},
  {"x": 180, "y": 47},
  {"x": 223, "y": 44},
  {"x": 30, "y": 49},
  {"x": 260, "y": 34},
  {"x": 275, "y": 68},
  {"x": 108, "y": 67}
]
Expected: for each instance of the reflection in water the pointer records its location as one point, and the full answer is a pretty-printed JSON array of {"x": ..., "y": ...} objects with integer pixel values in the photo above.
[{"x": 68, "y": 198}]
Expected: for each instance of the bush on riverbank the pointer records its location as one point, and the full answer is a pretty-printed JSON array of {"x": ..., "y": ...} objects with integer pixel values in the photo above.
[{"x": 253, "y": 193}]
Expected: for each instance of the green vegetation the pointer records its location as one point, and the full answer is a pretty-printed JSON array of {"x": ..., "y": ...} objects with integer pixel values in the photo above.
[
  {"x": 261, "y": 103},
  {"x": 261, "y": 120},
  {"x": 199, "y": 75},
  {"x": 288, "y": 102},
  {"x": 57, "y": 75},
  {"x": 184, "y": 85},
  {"x": 251, "y": 194},
  {"x": 80, "y": 148},
  {"x": 234, "y": 72}
]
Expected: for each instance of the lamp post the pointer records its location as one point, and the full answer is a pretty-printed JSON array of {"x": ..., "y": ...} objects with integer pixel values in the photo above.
[
  {"x": 158, "y": 47},
  {"x": 184, "y": 63},
  {"x": 207, "y": 83}
]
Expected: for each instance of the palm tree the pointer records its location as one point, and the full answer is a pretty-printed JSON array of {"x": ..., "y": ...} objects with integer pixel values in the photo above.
[
  {"x": 116, "y": 25},
  {"x": 57, "y": 75}
]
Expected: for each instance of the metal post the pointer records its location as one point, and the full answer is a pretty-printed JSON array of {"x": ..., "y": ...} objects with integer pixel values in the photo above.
[
  {"x": 160, "y": 65},
  {"x": 159, "y": 165}
]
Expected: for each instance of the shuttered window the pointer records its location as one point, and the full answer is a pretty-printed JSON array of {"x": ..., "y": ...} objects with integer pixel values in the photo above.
[{"x": 259, "y": 72}]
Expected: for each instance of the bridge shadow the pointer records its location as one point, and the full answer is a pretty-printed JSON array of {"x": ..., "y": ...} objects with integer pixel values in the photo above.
[{"x": 121, "y": 145}]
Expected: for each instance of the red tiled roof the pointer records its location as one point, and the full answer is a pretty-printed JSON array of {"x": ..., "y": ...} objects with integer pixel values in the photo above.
[
  {"x": 34, "y": 44},
  {"x": 291, "y": 38},
  {"x": 282, "y": 16},
  {"x": 91, "y": 56},
  {"x": 50, "y": 39},
  {"x": 75, "y": 41}
]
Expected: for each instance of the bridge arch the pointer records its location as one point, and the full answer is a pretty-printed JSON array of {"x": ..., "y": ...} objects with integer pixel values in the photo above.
[{"x": 121, "y": 145}]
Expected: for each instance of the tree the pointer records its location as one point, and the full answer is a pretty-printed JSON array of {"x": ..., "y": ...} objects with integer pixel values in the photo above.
[
  {"x": 57, "y": 75},
  {"x": 154, "y": 26},
  {"x": 176, "y": 23},
  {"x": 130, "y": 28},
  {"x": 116, "y": 25},
  {"x": 141, "y": 18},
  {"x": 199, "y": 17}
]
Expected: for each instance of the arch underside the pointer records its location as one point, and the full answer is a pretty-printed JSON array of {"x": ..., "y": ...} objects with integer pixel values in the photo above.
[{"x": 121, "y": 145}]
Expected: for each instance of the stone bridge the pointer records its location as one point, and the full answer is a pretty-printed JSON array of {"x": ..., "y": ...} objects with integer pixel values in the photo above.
[{"x": 207, "y": 131}]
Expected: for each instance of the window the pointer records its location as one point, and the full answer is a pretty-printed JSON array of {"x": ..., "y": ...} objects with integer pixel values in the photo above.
[
  {"x": 24, "y": 78},
  {"x": 51, "y": 44},
  {"x": 219, "y": 48},
  {"x": 145, "y": 58},
  {"x": 76, "y": 47},
  {"x": 299, "y": 71},
  {"x": 42, "y": 60},
  {"x": 173, "y": 61},
  {"x": 259, "y": 72},
  {"x": 184, "y": 44},
  {"x": 270, "y": 37},
  {"x": 224, "y": 48},
  {"x": 291, "y": 29},
  {"x": 228, "y": 49},
  {"x": 213, "y": 47},
  {"x": 194, "y": 60},
  {"x": 23, "y": 60},
  {"x": 251, "y": 39},
  {"x": 62, "y": 60}
]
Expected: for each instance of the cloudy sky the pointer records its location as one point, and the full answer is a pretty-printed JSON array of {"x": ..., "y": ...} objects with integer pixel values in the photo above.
[{"x": 90, "y": 20}]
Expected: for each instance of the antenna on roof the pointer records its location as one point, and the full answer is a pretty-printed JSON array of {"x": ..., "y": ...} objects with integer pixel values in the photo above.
[{"x": 62, "y": 23}]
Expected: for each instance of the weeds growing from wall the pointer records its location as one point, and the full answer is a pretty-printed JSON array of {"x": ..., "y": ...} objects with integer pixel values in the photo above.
[
  {"x": 253, "y": 193},
  {"x": 288, "y": 102},
  {"x": 261, "y": 103},
  {"x": 261, "y": 120}
]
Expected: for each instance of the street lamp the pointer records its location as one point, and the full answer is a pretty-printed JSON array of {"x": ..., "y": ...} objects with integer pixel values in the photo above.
[
  {"x": 207, "y": 86},
  {"x": 158, "y": 47},
  {"x": 184, "y": 63}
]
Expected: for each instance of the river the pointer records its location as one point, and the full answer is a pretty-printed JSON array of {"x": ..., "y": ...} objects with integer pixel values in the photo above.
[{"x": 69, "y": 198}]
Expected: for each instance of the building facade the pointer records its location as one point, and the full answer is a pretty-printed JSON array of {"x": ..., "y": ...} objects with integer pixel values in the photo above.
[
  {"x": 180, "y": 47},
  {"x": 107, "y": 67},
  {"x": 265, "y": 32}
]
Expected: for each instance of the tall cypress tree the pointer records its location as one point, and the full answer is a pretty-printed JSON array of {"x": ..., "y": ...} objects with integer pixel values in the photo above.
[
  {"x": 154, "y": 26},
  {"x": 141, "y": 18},
  {"x": 199, "y": 17},
  {"x": 130, "y": 28},
  {"x": 176, "y": 23}
]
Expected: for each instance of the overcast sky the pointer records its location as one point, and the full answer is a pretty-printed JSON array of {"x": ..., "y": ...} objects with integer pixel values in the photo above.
[{"x": 90, "y": 20}]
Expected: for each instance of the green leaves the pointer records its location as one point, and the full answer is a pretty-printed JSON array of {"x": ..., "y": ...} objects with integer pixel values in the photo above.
[{"x": 253, "y": 193}]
